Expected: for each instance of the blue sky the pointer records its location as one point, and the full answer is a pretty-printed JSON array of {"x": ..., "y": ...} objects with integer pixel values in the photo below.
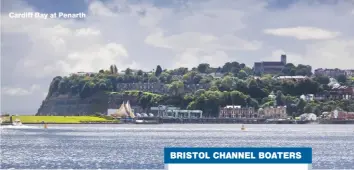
[{"x": 175, "y": 33}]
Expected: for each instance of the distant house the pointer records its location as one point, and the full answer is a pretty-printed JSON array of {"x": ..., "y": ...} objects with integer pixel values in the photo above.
[
  {"x": 273, "y": 112},
  {"x": 333, "y": 72},
  {"x": 270, "y": 67},
  {"x": 83, "y": 73},
  {"x": 233, "y": 111},
  {"x": 296, "y": 78},
  {"x": 337, "y": 93},
  {"x": 307, "y": 97},
  {"x": 349, "y": 73},
  {"x": 339, "y": 115},
  {"x": 342, "y": 92}
]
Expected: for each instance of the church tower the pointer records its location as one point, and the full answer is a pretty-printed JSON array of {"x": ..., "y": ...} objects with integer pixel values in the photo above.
[{"x": 283, "y": 59}]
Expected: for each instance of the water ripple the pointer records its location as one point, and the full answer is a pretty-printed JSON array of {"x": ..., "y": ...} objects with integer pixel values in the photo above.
[{"x": 141, "y": 146}]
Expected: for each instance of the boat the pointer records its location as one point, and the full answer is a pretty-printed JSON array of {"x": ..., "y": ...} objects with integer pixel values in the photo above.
[
  {"x": 243, "y": 127},
  {"x": 17, "y": 122},
  {"x": 124, "y": 113},
  {"x": 147, "y": 120}
]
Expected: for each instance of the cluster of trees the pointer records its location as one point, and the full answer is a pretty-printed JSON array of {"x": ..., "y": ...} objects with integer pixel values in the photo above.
[
  {"x": 299, "y": 70},
  {"x": 237, "y": 86},
  {"x": 211, "y": 100}
]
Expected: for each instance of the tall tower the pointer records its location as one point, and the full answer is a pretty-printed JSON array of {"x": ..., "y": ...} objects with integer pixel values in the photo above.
[{"x": 283, "y": 59}]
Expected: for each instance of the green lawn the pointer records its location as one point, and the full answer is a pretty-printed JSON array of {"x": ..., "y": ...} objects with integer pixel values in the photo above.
[{"x": 59, "y": 119}]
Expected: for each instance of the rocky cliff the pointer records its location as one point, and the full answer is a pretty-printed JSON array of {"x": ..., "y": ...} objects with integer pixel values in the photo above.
[{"x": 74, "y": 105}]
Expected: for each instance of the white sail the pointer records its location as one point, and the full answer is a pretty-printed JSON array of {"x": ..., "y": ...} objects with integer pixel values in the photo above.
[
  {"x": 122, "y": 112},
  {"x": 129, "y": 110}
]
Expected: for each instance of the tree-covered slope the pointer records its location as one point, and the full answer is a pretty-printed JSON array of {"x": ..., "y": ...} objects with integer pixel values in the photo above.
[{"x": 237, "y": 85}]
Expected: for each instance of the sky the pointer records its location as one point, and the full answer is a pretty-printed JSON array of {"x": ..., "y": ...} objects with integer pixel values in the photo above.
[{"x": 141, "y": 34}]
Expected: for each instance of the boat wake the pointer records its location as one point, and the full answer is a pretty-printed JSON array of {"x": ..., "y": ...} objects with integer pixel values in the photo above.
[{"x": 18, "y": 127}]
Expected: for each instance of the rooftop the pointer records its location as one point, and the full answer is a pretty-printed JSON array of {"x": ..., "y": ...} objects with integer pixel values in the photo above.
[
  {"x": 291, "y": 77},
  {"x": 271, "y": 63},
  {"x": 232, "y": 106}
]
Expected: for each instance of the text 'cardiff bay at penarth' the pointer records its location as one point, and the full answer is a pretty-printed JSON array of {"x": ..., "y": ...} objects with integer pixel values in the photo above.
[
  {"x": 38, "y": 15},
  {"x": 235, "y": 155}
]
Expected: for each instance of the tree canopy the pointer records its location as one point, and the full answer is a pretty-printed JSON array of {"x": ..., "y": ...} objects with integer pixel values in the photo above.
[{"x": 237, "y": 85}]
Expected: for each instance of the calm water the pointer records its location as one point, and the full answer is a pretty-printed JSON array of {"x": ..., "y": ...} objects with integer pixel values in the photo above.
[{"x": 141, "y": 146}]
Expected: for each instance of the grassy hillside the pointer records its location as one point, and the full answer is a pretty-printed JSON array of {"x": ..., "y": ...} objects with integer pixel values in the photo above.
[{"x": 60, "y": 119}]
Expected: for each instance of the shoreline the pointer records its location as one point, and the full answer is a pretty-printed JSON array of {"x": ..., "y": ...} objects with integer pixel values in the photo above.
[
  {"x": 41, "y": 120},
  {"x": 311, "y": 123}
]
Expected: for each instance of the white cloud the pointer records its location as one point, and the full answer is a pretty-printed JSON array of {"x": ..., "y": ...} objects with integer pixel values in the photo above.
[
  {"x": 303, "y": 33},
  {"x": 331, "y": 53},
  {"x": 143, "y": 35},
  {"x": 191, "y": 57},
  {"x": 17, "y": 91}
]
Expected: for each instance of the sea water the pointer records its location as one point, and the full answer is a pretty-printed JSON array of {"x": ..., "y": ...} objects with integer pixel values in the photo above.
[{"x": 141, "y": 146}]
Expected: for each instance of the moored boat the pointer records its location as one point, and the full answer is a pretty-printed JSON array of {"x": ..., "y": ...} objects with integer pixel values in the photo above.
[{"x": 17, "y": 122}]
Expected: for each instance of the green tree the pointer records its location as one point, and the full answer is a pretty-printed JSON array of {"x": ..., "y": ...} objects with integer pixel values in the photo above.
[
  {"x": 153, "y": 79},
  {"x": 300, "y": 106},
  {"x": 303, "y": 70},
  {"x": 242, "y": 74},
  {"x": 128, "y": 71},
  {"x": 238, "y": 98},
  {"x": 139, "y": 73},
  {"x": 226, "y": 83},
  {"x": 158, "y": 71},
  {"x": 115, "y": 69},
  {"x": 308, "y": 109},
  {"x": 255, "y": 91},
  {"x": 111, "y": 69},
  {"x": 233, "y": 67},
  {"x": 321, "y": 79},
  {"x": 176, "y": 87},
  {"x": 189, "y": 77},
  {"x": 203, "y": 68},
  {"x": 289, "y": 70},
  {"x": 279, "y": 99},
  {"x": 341, "y": 78},
  {"x": 86, "y": 90}
]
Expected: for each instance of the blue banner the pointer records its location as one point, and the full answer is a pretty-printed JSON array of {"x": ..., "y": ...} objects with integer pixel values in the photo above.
[{"x": 238, "y": 155}]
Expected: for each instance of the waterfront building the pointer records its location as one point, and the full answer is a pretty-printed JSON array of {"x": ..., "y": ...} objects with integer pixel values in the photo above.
[
  {"x": 175, "y": 112},
  {"x": 273, "y": 112},
  {"x": 342, "y": 115},
  {"x": 270, "y": 67},
  {"x": 234, "y": 111}
]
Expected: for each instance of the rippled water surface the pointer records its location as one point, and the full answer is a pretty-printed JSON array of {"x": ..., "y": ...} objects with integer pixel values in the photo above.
[{"x": 141, "y": 146}]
